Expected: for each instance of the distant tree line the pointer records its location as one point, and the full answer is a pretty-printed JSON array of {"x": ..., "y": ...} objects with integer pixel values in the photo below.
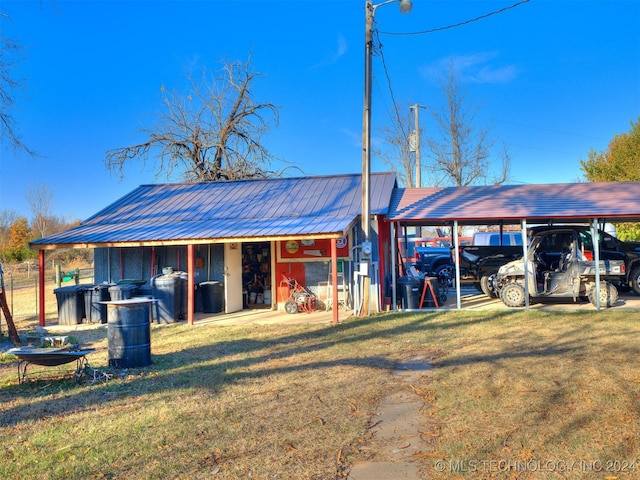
[
  {"x": 620, "y": 162},
  {"x": 16, "y": 231}
]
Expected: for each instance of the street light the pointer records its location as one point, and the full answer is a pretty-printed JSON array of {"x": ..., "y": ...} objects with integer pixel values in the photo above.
[
  {"x": 366, "y": 247},
  {"x": 405, "y": 7}
]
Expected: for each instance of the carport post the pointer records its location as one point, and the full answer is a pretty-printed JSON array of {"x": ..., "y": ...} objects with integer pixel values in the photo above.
[
  {"x": 190, "y": 283},
  {"x": 525, "y": 263},
  {"x": 41, "y": 280},
  {"x": 595, "y": 240},
  {"x": 334, "y": 279},
  {"x": 394, "y": 258},
  {"x": 456, "y": 246}
]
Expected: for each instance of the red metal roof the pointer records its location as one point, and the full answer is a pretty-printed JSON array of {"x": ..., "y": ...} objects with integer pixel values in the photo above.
[{"x": 573, "y": 202}]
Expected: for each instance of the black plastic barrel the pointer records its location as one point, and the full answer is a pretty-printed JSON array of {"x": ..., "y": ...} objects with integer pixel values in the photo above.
[
  {"x": 70, "y": 304},
  {"x": 128, "y": 335},
  {"x": 211, "y": 296},
  {"x": 94, "y": 310},
  {"x": 167, "y": 291},
  {"x": 409, "y": 292}
]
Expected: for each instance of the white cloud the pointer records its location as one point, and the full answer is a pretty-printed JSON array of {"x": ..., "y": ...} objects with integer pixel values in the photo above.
[
  {"x": 341, "y": 49},
  {"x": 481, "y": 67}
]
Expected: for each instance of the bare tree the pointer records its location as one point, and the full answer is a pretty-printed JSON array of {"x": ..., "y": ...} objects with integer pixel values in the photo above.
[
  {"x": 397, "y": 152},
  {"x": 462, "y": 154},
  {"x": 9, "y": 50},
  {"x": 213, "y": 133},
  {"x": 40, "y": 201}
]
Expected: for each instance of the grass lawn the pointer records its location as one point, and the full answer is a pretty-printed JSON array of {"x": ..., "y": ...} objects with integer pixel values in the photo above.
[{"x": 513, "y": 395}]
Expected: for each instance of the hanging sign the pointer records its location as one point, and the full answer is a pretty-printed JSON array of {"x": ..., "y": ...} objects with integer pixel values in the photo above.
[{"x": 312, "y": 249}]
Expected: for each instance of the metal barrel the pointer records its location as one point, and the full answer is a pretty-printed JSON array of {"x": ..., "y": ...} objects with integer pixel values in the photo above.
[{"x": 129, "y": 335}]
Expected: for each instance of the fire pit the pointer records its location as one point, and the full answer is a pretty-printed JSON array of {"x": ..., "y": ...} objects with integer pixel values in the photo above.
[{"x": 50, "y": 357}]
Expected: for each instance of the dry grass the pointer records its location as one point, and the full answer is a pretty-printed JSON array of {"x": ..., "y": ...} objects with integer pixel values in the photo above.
[{"x": 294, "y": 402}]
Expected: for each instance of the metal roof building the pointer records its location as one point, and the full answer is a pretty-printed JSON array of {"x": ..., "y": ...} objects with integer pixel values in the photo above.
[
  {"x": 268, "y": 209},
  {"x": 573, "y": 202}
]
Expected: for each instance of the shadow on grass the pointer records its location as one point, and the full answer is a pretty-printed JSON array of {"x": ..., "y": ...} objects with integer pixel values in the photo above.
[{"x": 222, "y": 362}]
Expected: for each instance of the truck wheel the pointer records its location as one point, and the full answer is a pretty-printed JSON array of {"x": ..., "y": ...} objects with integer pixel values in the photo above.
[
  {"x": 634, "y": 280},
  {"x": 608, "y": 295},
  {"x": 512, "y": 295},
  {"x": 486, "y": 285},
  {"x": 445, "y": 278}
]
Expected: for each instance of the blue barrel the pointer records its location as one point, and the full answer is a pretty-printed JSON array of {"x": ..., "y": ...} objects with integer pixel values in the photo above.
[{"x": 128, "y": 334}]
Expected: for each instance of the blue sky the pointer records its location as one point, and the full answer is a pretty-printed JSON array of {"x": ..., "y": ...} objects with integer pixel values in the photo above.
[{"x": 551, "y": 79}]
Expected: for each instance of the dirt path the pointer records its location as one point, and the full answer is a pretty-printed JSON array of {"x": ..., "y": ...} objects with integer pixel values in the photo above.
[{"x": 402, "y": 432}]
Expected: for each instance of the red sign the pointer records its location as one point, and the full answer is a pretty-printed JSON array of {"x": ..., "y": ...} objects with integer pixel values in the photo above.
[{"x": 312, "y": 249}]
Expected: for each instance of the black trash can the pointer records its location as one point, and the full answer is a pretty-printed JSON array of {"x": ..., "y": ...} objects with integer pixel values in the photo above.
[
  {"x": 166, "y": 290},
  {"x": 70, "y": 304},
  {"x": 128, "y": 334},
  {"x": 212, "y": 294},
  {"x": 409, "y": 292},
  {"x": 121, "y": 292},
  {"x": 95, "y": 311}
]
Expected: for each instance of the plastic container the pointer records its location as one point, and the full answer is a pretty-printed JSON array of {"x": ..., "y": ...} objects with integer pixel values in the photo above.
[
  {"x": 410, "y": 291},
  {"x": 122, "y": 292},
  {"x": 95, "y": 311},
  {"x": 70, "y": 304},
  {"x": 212, "y": 293},
  {"x": 167, "y": 291}
]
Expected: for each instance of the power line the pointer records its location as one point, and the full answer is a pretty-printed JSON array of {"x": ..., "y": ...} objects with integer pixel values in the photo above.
[
  {"x": 378, "y": 49},
  {"x": 466, "y": 22},
  {"x": 393, "y": 99}
]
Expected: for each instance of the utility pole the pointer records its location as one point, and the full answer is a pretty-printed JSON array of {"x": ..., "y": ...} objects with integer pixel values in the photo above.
[{"x": 414, "y": 144}]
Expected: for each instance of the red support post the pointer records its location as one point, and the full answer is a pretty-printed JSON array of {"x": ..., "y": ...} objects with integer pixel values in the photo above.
[
  {"x": 190, "y": 283},
  {"x": 334, "y": 278},
  {"x": 41, "y": 281}
]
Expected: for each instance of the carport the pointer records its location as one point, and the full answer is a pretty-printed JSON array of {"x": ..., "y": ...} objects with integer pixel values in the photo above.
[{"x": 546, "y": 204}]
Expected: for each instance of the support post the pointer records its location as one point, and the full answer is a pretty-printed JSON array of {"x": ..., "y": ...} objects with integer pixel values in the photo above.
[
  {"x": 334, "y": 279},
  {"x": 595, "y": 239},
  {"x": 41, "y": 280},
  {"x": 190, "y": 283}
]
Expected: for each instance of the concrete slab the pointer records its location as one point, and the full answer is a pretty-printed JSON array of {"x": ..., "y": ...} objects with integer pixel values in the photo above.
[
  {"x": 396, "y": 433},
  {"x": 384, "y": 471}
]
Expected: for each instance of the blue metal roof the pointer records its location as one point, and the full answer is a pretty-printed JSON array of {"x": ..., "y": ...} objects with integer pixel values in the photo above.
[{"x": 312, "y": 207}]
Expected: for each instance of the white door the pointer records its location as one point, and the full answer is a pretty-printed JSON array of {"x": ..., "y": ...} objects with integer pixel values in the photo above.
[{"x": 232, "y": 277}]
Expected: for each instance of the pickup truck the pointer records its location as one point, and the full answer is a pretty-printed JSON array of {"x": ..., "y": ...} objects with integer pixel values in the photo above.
[
  {"x": 560, "y": 265},
  {"x": 479, "y": 264},
  {"x": 436, "y": 262}
]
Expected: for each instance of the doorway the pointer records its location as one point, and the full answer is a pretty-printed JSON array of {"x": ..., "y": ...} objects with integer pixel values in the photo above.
[{"x": 256, "y": 275}]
